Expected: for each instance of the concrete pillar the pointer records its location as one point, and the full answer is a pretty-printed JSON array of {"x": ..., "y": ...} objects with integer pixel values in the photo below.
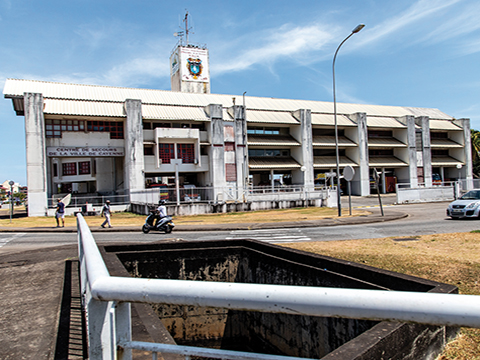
[
  {"x": 36, "y": 154},
  {"x": 409, "y": 122},
  {"x": 424, "y": 123},
  {"x": 467, "y": 169},
  {"x": 362, "y": 157},
  {"x": 217, "y": 150},
  {"x": 134, "y": 174},
  {"x": 304, "y": 116},
  {"x": 241, "y": 149}
]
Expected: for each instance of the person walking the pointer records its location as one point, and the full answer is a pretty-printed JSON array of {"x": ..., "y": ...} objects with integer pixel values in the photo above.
[
  {"x": 106, "y": 212},
  {"x": 60, "y": 213}
]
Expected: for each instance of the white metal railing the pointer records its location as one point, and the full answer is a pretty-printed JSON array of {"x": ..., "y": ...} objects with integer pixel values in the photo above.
[
  {"x": 229, "y": 193},
  {"x": 81, "y": 200},
  {"x": 107, "y": 303}
]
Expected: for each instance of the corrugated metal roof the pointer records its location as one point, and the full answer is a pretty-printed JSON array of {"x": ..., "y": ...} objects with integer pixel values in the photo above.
[
  {"x": 390, "y": 161},
  {"x": 380, "y": 142},
  {"x": 329, "y": 119},
  {"x": 329, "y": 141},
  {"x": 267, "y": 162},
  {"x": 331, "y": 162},
  {"x": 444, "y": 143},
  {"x": 443, "y": 125},
  {"x": 174, "y": 113},
  {"x": 83, "y": 108},
  {"x": 383, "y": 122},
  {"x": 445, "y": 161},
  {"x": 274, "y": 117},
  {"x": 51, "y": 90},
  {"x": 272, "y": 140}
]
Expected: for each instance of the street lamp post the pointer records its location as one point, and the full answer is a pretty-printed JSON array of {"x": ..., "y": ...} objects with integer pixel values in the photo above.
[{"x": 339, "y": 204}]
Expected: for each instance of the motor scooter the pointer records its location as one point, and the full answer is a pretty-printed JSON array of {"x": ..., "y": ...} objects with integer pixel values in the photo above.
[{"x": 166, "y": 224}]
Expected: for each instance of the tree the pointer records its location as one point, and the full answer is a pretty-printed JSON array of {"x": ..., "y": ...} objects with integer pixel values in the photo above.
[{"x": 475, "y": 138}]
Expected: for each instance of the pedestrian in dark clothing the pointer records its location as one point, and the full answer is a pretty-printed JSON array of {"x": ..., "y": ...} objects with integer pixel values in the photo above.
[
  {"x": 106, "y": 212},
  {"x": 60, "y": 213}
]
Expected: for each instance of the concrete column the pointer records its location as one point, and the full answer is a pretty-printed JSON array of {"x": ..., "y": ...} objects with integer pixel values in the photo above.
[
  {"x": 304, "y": 116},
  {"x": 134, "y": 174},
  {"x": 409, "y": 122},
  {"x": 217, "y": 150},
  {"x": 241, "y": 149},
  {"x": 467, "y": 141},
  {"x": 363, "y": 162},
  {"x": 36, "y": 154},
  {"x": 424, "y": 123}
]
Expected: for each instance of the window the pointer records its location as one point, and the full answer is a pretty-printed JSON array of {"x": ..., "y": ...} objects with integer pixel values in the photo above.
[
  {"x": 263, "y": 130},
  {"x": 148, "y": 150},
  {"x": 438, "y": 135},
  {"x": 268, "y": 152},
  {"x": 186, "y": 153},
  {"x": 380, "y": 134},
  {"x": 115, "y": 128},
  {"x": 440, "y": 153},
  {"x": 55, "y": 128},
  {"x": 380, "y": 152},
  {"x": 84, "y": 168},
  {"x": 55, "y": 170},
  {"x": 69, "y": 169},
  {"x": 166, "y": 152}
]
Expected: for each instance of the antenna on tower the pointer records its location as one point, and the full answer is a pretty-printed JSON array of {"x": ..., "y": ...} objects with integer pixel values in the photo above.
[{"x": 187, "y": 29}]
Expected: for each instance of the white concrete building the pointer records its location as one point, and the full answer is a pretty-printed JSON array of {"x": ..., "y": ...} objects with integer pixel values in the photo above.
[{"x": 111, "y": 140}]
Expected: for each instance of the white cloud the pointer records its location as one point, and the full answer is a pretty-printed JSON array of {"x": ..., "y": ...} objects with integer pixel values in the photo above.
[
  {"x": 417, "y": 12},
  {"x": 285, "y": 42}
]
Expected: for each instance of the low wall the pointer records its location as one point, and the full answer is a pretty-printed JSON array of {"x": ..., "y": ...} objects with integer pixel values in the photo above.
[
  {"x": 205, "y": 208},
  {"x": 425, "y": 194},
  {"x": 247, "y": 261}
]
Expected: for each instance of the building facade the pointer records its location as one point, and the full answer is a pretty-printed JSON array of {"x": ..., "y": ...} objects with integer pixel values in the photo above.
[{"x": 105, "y": 140}]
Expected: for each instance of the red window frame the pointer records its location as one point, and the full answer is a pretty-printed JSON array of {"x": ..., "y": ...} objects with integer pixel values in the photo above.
[
  {"x": 166, "y": 152},
  {"x": 186, "y": 152},
  {"x": 69, "y": 169},
  {"x": 84, "y": 168}
]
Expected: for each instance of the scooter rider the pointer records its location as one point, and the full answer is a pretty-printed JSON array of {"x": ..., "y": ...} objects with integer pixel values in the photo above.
[{"x": 161, "y": 214}]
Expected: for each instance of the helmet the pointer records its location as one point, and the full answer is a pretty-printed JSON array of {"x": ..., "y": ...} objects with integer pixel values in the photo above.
[{"x": 161, "y": 202}]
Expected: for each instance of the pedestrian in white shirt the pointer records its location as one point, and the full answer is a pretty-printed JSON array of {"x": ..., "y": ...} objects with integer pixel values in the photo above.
[{"x": 107, "y": 213}]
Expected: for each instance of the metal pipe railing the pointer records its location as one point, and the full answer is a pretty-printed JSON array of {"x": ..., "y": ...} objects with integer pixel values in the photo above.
[
  {"x": 424, "y": 308},
  {"x": 203, "y": 352},
  {"x": 102, "y": 292}
]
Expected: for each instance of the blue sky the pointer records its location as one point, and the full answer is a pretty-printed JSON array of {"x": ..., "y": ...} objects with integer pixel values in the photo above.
[{"x": 423, "y": 53}]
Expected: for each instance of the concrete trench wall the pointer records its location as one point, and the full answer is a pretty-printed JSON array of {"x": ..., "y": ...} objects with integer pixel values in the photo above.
[{"x": 305, "y": 336}]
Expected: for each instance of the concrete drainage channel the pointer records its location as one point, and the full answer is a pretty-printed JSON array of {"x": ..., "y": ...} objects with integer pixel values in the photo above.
[{"x": 246, "y": 261}]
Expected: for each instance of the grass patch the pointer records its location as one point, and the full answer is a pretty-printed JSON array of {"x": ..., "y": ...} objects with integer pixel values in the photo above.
[
  {"x": 130, "y": 219},
  {"x": 449, "y": 258}
]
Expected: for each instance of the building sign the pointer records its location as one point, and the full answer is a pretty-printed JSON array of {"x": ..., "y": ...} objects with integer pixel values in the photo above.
[
  {"x": 94, "y": 151},
  {"x": 194, "y": 63}
]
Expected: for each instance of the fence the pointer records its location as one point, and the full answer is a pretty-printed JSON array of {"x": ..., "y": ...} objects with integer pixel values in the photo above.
[
  {"x": 78, "y": 201},
  {"x": 107, "y": 299},
  {"x": 229, "y": 194}
]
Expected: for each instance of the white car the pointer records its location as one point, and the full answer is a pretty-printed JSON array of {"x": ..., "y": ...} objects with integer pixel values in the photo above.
[{"x": 467, "y": 206}]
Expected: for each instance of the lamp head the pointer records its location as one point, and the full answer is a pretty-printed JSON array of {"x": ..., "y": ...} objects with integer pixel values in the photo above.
[{"x": 358, "y": 28}]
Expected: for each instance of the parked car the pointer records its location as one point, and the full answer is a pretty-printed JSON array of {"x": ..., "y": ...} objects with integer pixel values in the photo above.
[
  {"x": 190, "y": 193},
  {"x": 467, "y": 206}
]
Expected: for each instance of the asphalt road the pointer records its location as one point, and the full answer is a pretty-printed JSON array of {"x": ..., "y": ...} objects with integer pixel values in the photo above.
[{"x": 423, "y": 219}]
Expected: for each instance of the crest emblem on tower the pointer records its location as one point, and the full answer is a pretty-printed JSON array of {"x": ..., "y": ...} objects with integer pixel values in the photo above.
[{"x": 195, "y": 67}]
